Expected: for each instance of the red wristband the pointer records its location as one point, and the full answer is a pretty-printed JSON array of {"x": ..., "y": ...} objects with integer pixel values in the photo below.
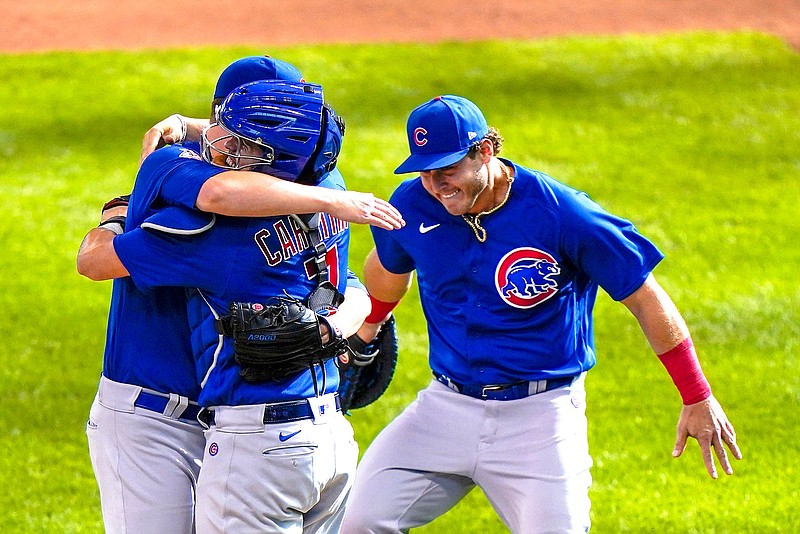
[
  {"x": 684, "y": 368},
  {"x": 380, "y": 310}
]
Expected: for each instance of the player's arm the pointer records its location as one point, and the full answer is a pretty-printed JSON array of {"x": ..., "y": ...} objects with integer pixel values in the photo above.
[
  {"x": 386, "y": 289},
  {"x": 97, "y": 259},
  {"x": 702, "y": 416},
  {"x": 352, "y": 312},
  {"x": 174, "y": 129},
  {"x": 252, "y": 194}
]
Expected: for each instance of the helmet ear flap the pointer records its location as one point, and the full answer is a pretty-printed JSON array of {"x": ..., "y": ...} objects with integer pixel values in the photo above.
[{"x": 326, "y": 153}]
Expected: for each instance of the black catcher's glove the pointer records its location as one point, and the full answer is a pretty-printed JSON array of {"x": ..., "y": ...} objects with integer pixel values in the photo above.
[
  {"x": 370, "y": 368},
  {"x": 274, "y": 341}
]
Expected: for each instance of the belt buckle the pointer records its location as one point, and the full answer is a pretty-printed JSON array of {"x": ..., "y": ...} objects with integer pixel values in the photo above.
[{"x": 486, "y": 389}]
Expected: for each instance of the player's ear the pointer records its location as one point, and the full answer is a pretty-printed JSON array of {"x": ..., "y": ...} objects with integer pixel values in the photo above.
[{"x": 486, "y": 151}]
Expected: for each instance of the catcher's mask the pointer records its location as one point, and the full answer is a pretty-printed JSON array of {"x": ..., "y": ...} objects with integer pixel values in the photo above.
[{"x": 267, "y": 126}]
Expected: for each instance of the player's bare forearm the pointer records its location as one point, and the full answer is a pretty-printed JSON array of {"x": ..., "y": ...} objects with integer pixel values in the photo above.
[
  {"x": 173, "y": 129},
  {"x": 250, "y": 194},
  {"x": 97, "y": 259},
  {"x": 352, "y": 312},
  {"x": 658, "y": 317},
  {"x": 383, "y": 284},
  {"x": 194, "y": 127}
]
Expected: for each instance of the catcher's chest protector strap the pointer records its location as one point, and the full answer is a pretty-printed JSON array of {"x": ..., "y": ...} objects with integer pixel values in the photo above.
[
  {"x": 310, "y": 225},
  {"x": 325, "y": 295}
]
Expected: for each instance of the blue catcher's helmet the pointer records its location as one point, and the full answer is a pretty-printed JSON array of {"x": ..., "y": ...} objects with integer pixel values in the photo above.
[
  {"x": 282, "y": 119},
  {"x": 324, "y": 158}
]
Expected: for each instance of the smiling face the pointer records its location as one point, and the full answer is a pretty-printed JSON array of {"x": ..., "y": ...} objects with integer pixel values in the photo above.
[
  {"x": 462, "y": 188},
  {"x": 223, "y": 148},
  {"x": 243, "y": 153}
]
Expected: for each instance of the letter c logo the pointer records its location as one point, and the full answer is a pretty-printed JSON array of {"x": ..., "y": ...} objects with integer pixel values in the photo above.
[{"x": 419, "y": 136}]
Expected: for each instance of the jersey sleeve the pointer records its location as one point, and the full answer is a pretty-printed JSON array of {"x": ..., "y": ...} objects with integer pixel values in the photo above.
[
  {"x": 609, "y": 249},
  {"x": 154, "y": 259},
  {"x": 182, "y": 173},
  {"x": 391, "y": 252},
  {"x": 392, "y": 255}
]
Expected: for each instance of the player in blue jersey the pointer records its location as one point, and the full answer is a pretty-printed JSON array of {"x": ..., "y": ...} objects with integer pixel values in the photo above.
[
  {"x": 145, "y": 442},
  {"x": 279, "y": 454},
  {"x": 508, "y": 262}
]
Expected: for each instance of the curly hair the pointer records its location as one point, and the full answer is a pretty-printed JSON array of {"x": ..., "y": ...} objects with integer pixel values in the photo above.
[{"x": 493, "y": 136}]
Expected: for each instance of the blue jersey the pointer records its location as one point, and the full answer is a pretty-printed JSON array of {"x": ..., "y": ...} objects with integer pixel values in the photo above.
[
  {"x": 147, "y": 341},
  {"x": 518, "y": 306},
  {"x": 238, "y": 259}
]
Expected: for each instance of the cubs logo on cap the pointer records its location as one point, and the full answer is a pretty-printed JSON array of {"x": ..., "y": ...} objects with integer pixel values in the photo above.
[{"x": 440, "y": 133}]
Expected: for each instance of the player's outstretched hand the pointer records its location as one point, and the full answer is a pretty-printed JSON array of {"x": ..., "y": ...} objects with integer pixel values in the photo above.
[
  {"x": 365, "y": 208},
  {"x": 707, "y": 423},
  {"x": 166, "y": 132}
]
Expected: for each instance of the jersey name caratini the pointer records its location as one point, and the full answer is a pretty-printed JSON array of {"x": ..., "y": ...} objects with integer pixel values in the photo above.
[
  {"x": 518, "y": 306},
  {"x": 286, "y": 239}
]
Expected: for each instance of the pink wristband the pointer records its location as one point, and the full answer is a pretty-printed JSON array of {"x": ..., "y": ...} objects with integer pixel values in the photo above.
[
  {"x": 684, "y": 368},
  {"x": 380, "y": 310}
]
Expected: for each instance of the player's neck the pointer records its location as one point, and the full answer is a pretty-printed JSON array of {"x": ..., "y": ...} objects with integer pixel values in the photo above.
[
  {"x": 499, "y": 185},
  {"x": 496, "y": 192}
]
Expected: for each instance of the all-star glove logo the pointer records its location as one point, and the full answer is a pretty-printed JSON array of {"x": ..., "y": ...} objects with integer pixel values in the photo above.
[{"x": 526, "y": 277}]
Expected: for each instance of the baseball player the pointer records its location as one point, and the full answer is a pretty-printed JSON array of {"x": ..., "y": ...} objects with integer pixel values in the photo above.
[
  {"x": 280, "y": 456},
  {"x": 508, "y": 262},
  {"x": 144, "y": 439}
]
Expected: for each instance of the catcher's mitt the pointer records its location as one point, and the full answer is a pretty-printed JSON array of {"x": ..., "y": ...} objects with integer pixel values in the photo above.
[
  {"x": 274, "y": 341},
  {"x": 370, "y": 368}
]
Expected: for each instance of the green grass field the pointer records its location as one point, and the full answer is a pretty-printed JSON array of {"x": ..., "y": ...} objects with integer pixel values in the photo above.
[{"x": 694, "y": 137}]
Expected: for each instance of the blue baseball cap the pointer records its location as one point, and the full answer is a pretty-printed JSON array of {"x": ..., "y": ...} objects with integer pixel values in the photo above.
[
  {"x": 254, "y": 69},
  {"x": 440, "y": 133}
]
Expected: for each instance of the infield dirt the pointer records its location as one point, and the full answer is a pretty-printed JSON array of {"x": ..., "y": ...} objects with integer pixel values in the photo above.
[{"x": 43, "y": 25}]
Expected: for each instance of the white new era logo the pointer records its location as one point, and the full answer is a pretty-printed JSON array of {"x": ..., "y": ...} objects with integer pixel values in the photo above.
[{"x": 472, "y": 135}]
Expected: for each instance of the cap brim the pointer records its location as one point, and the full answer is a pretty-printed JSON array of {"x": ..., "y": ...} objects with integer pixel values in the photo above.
[{"x": 429, "y": 162}]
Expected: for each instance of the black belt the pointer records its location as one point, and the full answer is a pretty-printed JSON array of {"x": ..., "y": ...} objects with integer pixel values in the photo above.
[
  {"x": 518, "y": 390},
  {"x": 279, "y": 412},
  {"x": 158, "y": 403}
]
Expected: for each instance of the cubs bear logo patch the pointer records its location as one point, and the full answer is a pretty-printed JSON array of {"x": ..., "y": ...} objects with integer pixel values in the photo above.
[{"x": 526, "y": 277}]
